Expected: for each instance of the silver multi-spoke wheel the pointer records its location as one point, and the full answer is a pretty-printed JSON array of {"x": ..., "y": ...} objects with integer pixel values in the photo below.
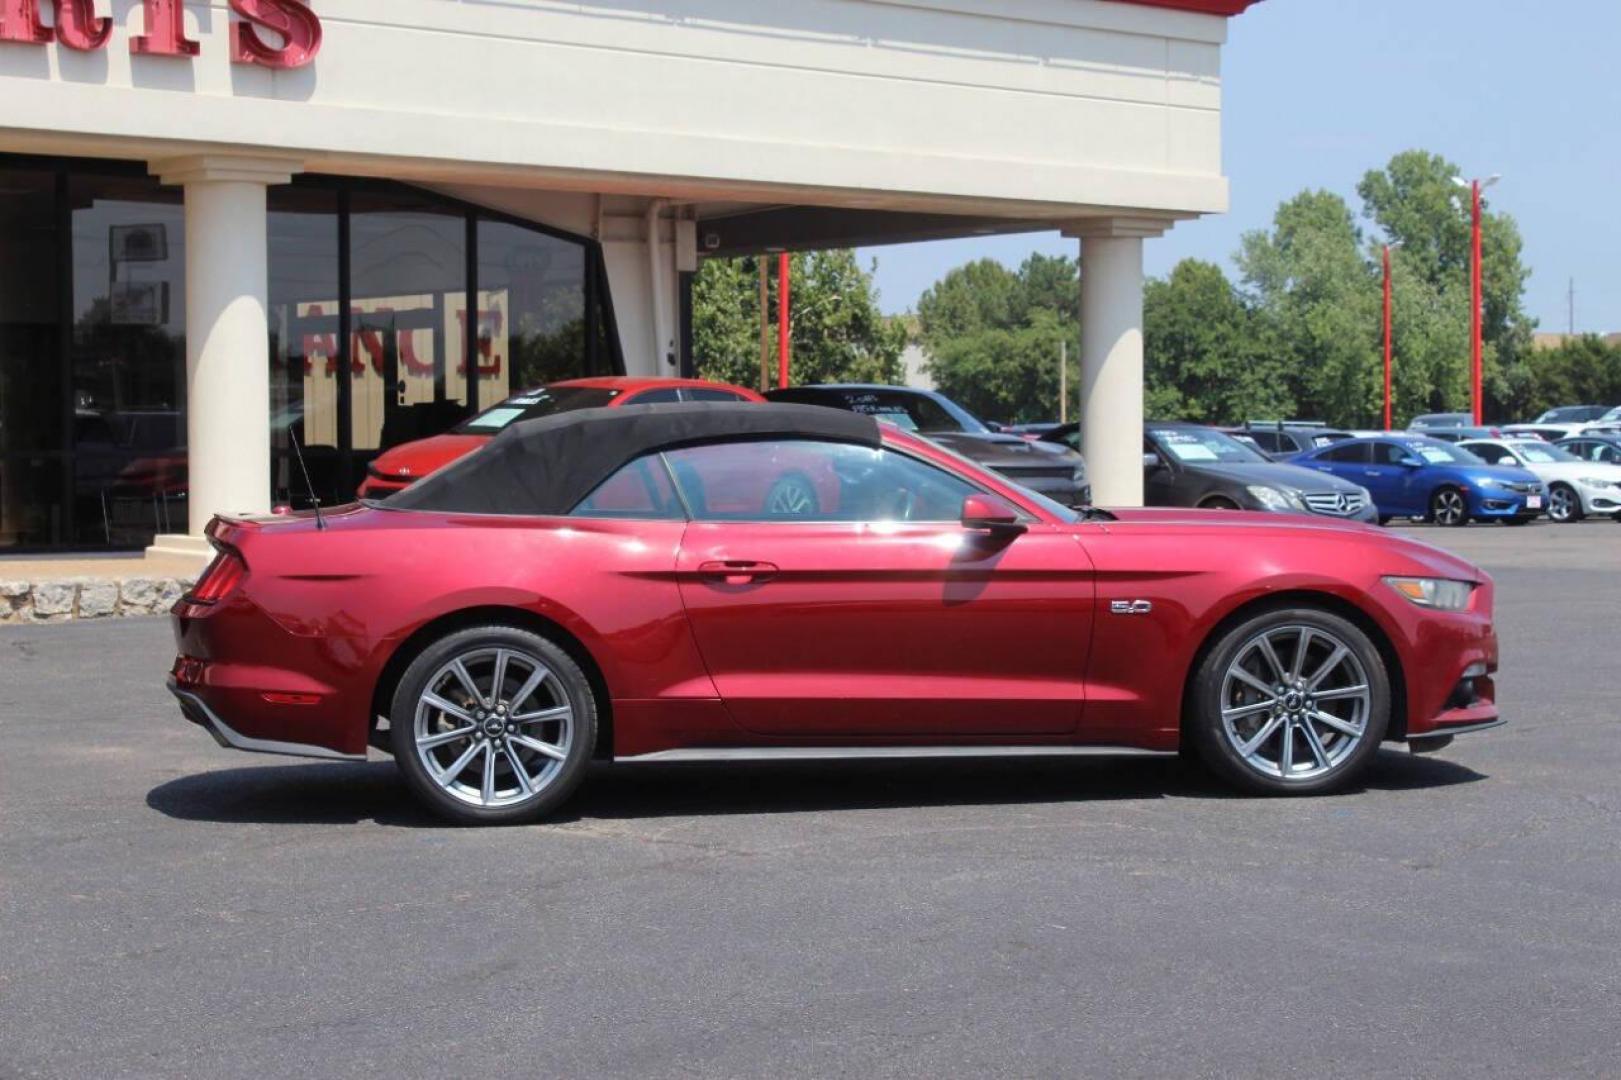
[
  {"x": 1449, "y": 507},
  {"x": 493, "y": 727},
  {"x": 790, "y": 497},
  {"x": 1295, "y": 702},
  {"x": 1564, "y": 506}
]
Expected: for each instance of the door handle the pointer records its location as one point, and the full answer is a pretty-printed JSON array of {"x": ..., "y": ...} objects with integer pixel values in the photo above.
[{"x": 739, "y": 571}]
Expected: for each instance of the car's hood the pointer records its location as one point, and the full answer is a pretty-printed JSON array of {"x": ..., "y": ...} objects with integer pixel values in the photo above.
[
  {"x": 997, "y": 451},
  {"x": 1575, "y": 470},
  {"x": 414, "y": 460},
  {"x": 1406, "y": 555},
  {"x": 1274, "y": 474}
]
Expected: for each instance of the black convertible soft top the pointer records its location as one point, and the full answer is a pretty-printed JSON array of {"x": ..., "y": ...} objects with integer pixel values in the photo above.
[{"x": 548, "y": 466}]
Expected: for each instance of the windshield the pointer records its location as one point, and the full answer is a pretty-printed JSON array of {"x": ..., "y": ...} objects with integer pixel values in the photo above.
[
  {"x": 1437, "y": 452},
  {"x": 1194, "y": 446},
  {"x": 909, "y": 412},
  {"x": 537, "y": 403},
  {"x": 1543, "y": 454}
]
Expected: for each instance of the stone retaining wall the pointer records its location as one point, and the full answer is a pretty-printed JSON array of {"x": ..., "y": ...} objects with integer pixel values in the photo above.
[{"x": 88, "y": 598}]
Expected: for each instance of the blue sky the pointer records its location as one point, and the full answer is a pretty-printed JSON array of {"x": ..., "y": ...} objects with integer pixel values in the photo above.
[{"x": 1320, "y": 91}]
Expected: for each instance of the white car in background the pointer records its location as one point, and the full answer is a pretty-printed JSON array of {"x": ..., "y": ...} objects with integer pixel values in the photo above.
[{"x": 1576, "y": 487}]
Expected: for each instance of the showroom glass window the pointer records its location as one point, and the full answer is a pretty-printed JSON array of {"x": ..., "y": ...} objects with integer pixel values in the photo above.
[
  {"x": 306, "y": 384},
  {"x": 127, "y": 360},
  {"x": 408, "y": 304},
  {"x": 532, "y": 323},
  {"x": 371, "y": 286},
  {"x": 34, "y": 481}
]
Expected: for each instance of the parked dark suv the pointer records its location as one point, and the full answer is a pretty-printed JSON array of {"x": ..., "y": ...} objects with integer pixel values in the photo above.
[
  {"x": 1279, "y": 441},
  {"x": 1053, "y": 470}
]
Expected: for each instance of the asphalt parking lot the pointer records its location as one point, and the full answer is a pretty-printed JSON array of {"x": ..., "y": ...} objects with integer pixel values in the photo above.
[{"x": 172, "y": 909}]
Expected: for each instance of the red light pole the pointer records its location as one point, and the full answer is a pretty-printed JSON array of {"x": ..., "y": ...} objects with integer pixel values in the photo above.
[
  {"x": 785, "y": 276},
  {"x": 1389, "y": 344},
  {"x": 1477, "y": 349}
]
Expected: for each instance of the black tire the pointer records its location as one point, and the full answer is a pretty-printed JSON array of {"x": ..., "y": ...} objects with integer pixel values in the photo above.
[
  {"x": 1449, "y": 507},
  {"x": 565, "y": 684},
  {"x": 1386, "y": 519},
  {"x": 1206, "y": 728},
  {"x": 1564, "y": 505},
  {"x": 1219, "y": 502}
]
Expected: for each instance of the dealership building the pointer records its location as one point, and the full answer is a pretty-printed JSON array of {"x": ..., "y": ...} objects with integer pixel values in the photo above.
[{"x": 227, "y": 226}]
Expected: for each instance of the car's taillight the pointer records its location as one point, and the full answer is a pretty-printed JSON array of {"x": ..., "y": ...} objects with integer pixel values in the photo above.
[{"x": 223, "y": 574}]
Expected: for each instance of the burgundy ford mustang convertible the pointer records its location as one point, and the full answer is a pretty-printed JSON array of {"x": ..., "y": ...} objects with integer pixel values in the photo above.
[{"x": 789, "y": 581}]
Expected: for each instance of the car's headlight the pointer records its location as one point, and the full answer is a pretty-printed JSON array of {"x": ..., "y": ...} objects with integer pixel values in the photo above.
[
  {"x": 1276, "y": 498},
  {"x": 1593, "y": 481},
  {"x": 1487, "y": 482},
  {"x": 1438, "y": 593}
]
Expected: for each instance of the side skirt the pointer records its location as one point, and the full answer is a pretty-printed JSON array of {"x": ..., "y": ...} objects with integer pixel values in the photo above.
[{"x": 875, "y": 753}]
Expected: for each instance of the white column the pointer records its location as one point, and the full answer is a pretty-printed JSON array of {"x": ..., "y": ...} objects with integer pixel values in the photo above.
[
  {"x": 1112, "y": 356},
  {"x": 227, "y": 335}
]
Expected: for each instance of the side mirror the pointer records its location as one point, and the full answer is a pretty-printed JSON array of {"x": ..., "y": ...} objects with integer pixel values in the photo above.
[
  {"x": 989, "y": 514},
  {"x": 1152, "y": 462}
]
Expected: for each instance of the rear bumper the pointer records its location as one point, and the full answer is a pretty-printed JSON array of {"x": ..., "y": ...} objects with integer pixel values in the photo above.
[{"x": 195, "y": 709}]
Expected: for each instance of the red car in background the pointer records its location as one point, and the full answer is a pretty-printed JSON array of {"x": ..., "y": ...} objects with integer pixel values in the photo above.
[
  {"x": 596, "y": 586},
  {"x": 403, "y": 465}
]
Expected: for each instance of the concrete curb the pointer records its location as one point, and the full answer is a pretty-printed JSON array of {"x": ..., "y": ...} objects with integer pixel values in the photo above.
[{"x": 88, "y": 598}]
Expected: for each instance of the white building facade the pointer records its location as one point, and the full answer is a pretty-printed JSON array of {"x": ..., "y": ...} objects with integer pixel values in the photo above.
[{"x": 227, "y": 226}]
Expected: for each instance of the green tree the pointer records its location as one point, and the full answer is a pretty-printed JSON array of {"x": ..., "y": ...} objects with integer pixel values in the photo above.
[
  {"x": 836, "y": 328},
  {"x": 1583, "y": 370},
  {"x": 1415, "y": 201},
  {"x": 1208, "y": 355},
  {"x": 1318, "y": 301},
  {"x": 995, "y": 335}
]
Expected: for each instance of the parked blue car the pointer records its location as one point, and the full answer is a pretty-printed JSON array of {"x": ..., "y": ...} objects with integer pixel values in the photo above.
[{"x": 1416, "y": 476}]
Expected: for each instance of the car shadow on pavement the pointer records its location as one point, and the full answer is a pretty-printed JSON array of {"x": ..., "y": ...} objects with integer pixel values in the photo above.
[{"x": 349, "y": 793}]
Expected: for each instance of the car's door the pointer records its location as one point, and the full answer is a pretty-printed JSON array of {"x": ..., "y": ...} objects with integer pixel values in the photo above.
[
  {"x": 1396, "y": 479},
  {"x": 862, "y": 607},
  {"x": 1351, "y": 461}
]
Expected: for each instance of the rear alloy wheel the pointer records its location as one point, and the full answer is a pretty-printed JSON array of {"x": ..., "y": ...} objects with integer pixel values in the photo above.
[
  {"x": 493, "y": 726},
  {"x": 1293, "y": 701},
  {"x": 1449, "y": 508},
  {"x": 1564, "y": 505}
]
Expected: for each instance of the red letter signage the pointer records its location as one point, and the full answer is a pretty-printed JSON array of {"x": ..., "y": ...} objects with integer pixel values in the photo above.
[
  {"x": 78, "y": 28},
  {"x": 298, "y": 26},
  {"x": 20, "y": 21},
  {"x": 165, "y": 30}
]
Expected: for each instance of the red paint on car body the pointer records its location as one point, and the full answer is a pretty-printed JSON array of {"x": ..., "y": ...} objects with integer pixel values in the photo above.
[{"x": 710, "y": 635}]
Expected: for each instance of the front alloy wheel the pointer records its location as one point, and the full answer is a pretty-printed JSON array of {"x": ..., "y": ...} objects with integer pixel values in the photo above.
[
  {"x": 1449, "y": 508},
  {"x": 1564, "y": 505},
  {"x": 493, "y": 725},
  {"x": 1291, "y": 701}
]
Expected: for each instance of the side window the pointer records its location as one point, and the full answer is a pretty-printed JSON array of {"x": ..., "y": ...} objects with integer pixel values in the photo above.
[
  {"x": 806, "y": 480},
  {"x": 667, "y": 396},
  {"x": 1266, "y": 440},
  {"x": 1391, "y": 454},
  {"x": 641, "y": 489},
  {"x": 1609, "y": 453},
  {"x": 1351, "y": 452},
  {"x": 702, "y": 393}
]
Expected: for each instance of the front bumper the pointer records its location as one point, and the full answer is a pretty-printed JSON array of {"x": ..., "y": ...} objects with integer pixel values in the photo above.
[
  {"x": 1496, "y": 504},
  {"x": 195, "y": 709}
]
